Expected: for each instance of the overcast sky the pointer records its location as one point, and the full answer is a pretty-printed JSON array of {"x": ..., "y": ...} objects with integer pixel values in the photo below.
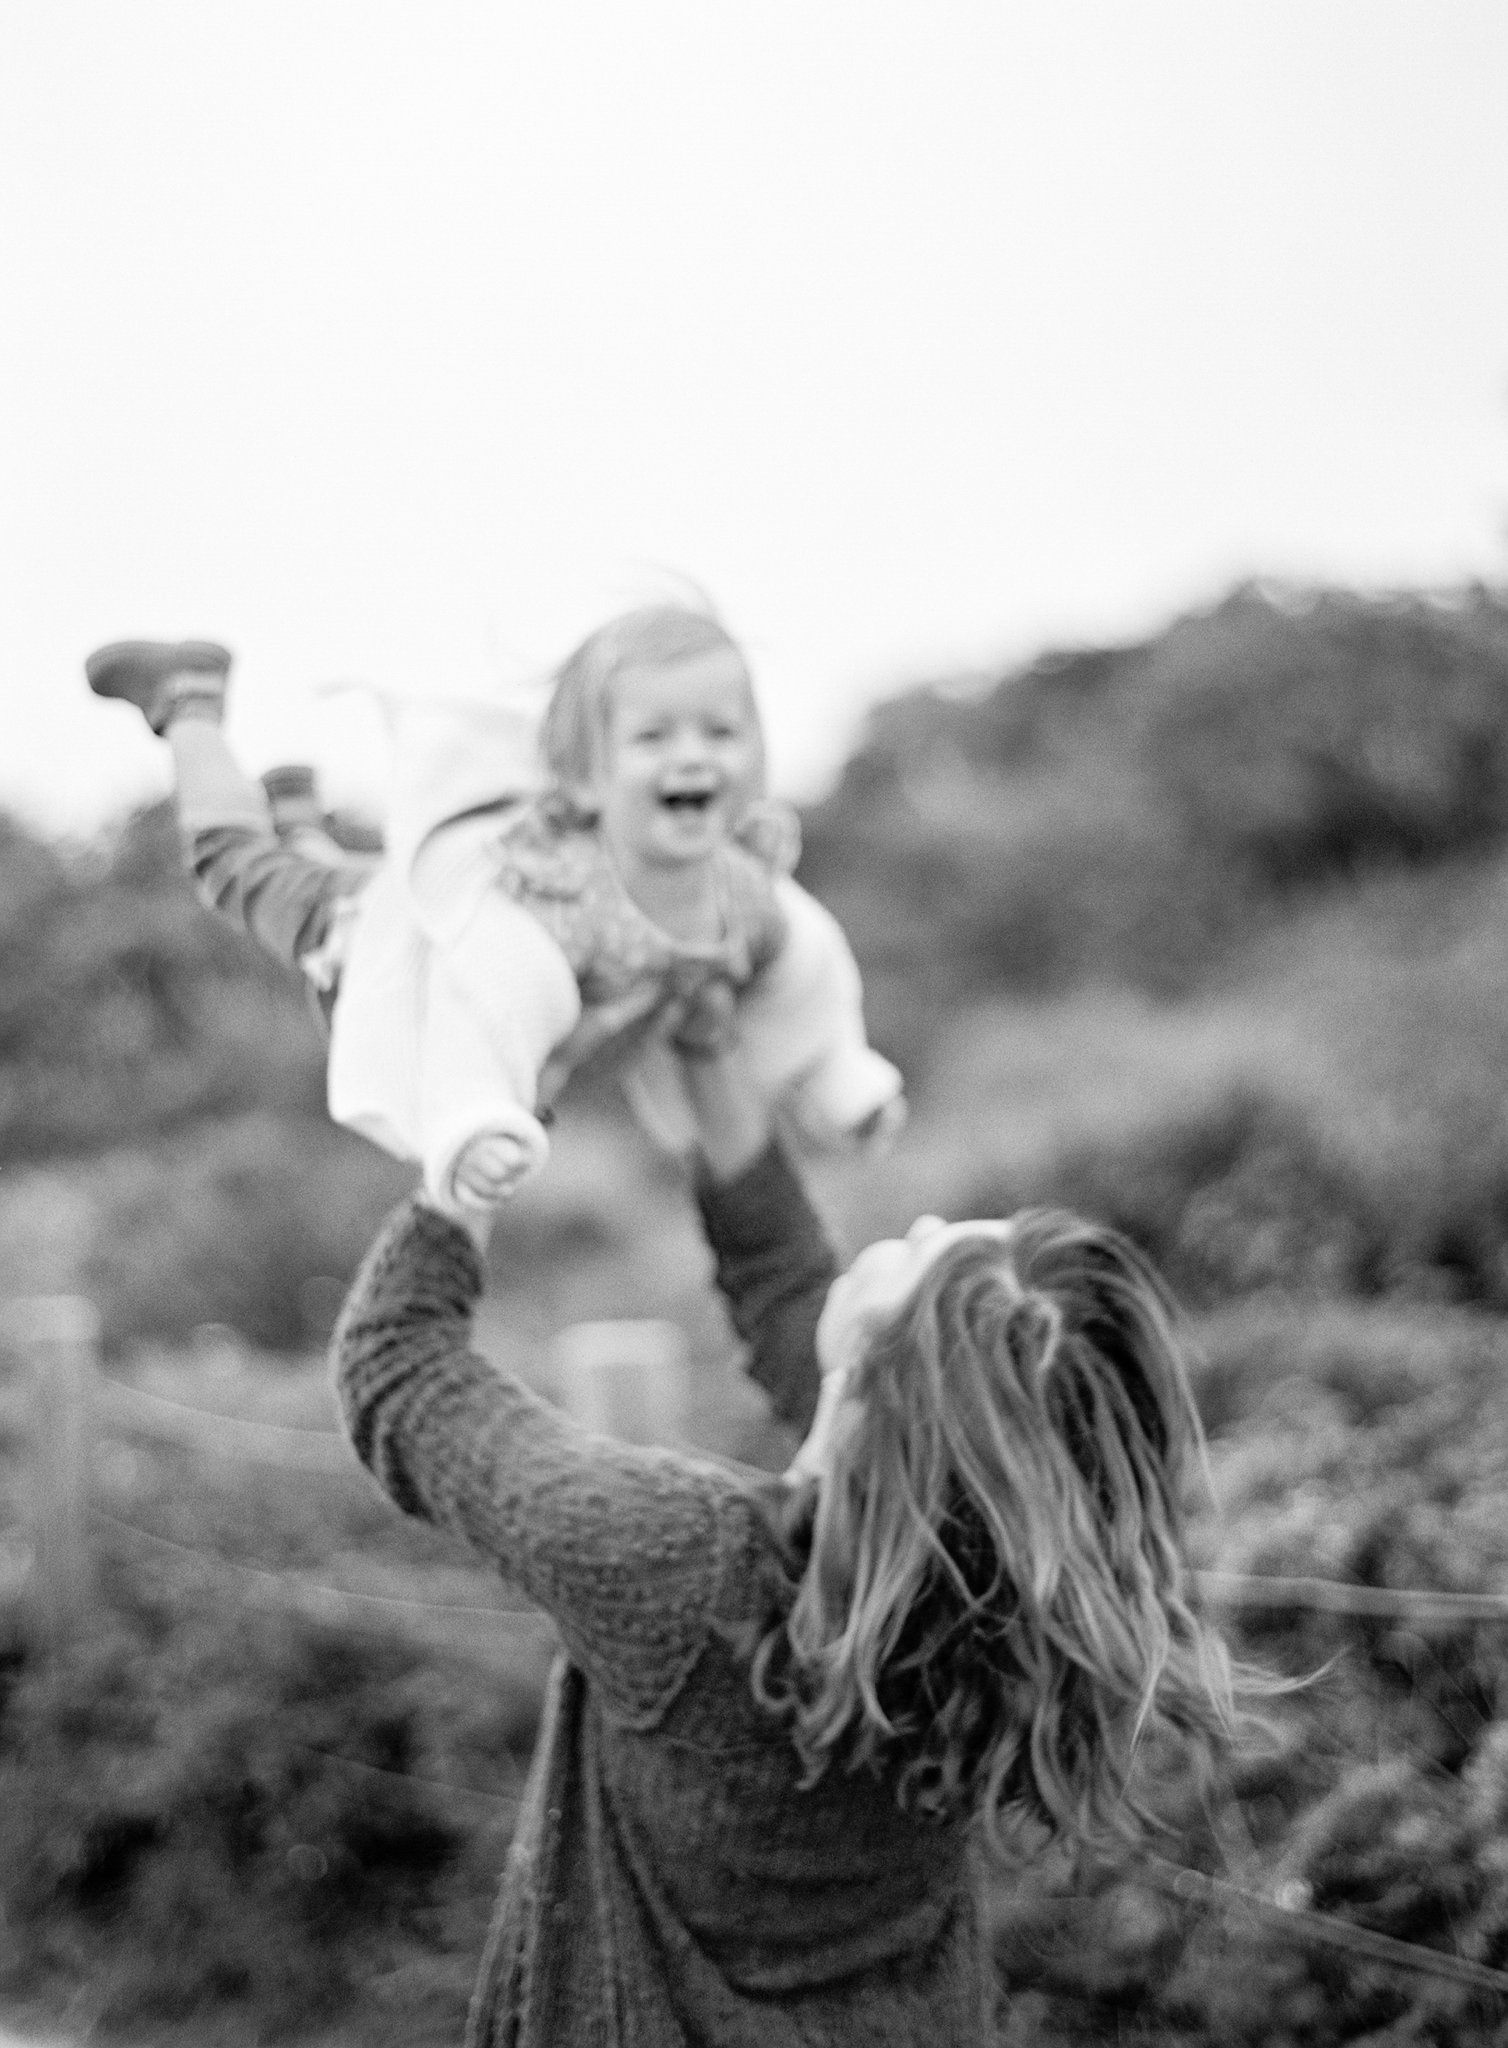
[{"x": 921, "y": 332}]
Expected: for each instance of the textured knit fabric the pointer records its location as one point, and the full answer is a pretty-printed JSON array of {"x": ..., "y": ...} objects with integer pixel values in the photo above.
[{"x": 671, "y": 1885}]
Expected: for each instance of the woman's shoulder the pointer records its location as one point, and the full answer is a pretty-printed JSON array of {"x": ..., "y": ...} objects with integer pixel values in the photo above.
[
  {"x": 761, "y": 1524},
  {"x": 751, "y": 1585}
]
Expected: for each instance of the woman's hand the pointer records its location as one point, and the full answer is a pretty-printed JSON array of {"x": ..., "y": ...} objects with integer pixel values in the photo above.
[{"x": 733, "y": 1124}]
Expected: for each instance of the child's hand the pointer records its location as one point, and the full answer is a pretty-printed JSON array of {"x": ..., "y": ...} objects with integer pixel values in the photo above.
[{"x": 490, "y": 1169}]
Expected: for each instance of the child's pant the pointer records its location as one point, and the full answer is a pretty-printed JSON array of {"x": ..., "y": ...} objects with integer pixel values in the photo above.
[{"x": 288, "y": 902}]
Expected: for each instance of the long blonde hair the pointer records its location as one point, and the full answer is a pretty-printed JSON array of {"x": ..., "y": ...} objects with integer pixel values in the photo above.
[{"x": 995, "y": 1602}]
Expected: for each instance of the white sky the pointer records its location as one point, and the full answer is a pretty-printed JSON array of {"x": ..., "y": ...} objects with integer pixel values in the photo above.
[{"x": 921, "y": 332}]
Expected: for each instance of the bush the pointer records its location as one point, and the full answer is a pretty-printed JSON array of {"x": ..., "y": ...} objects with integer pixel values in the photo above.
[
  {"x": 1228, "y": 1197},
  {"x": 1311, "y": 735},
  {"x": 1247, "y": 1191},
  {"x": 230, "y": 1222},
  {"x": 128, "y": 1008},
  {"x": 260, "y": 1221},
  {"x": 235, "y": 1820},
  {"x": 1366, "y": 1445},
  {"x": 1137, "y": 814}
]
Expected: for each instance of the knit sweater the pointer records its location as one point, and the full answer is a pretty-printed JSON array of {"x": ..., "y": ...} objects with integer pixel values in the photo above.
[{"x": 671, "y": 1884}]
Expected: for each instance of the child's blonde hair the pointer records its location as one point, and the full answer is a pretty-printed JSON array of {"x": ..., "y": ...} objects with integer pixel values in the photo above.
[
  {"x": 573, "y": 738},
  {"x": 995, "y": 1597}
]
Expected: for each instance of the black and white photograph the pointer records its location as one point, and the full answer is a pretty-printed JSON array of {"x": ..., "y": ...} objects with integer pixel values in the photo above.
[{"x": 753, "y": 1024}]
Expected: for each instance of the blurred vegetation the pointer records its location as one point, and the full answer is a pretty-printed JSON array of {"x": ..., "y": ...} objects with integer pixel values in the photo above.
[
  {"x": 1207, "y": 936},
  {"x": 199, "y": 1817},
  {"x": 1138, "y": 814}
]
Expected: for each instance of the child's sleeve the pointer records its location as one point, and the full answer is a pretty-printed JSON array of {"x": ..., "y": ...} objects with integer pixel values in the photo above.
[
  {"x": 452, "y": 999},
  {"x": 803, "y": 1027},
  {"x": 501, "y": 996}
]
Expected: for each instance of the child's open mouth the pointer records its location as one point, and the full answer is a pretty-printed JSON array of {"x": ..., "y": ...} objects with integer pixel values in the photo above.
[{"x": 688, "y": 802}]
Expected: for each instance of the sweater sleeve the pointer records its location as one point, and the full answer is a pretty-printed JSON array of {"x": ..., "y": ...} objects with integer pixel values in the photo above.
[
  {"x": 620, "y": 1545},
  {"x": 774, "y": 1264}
]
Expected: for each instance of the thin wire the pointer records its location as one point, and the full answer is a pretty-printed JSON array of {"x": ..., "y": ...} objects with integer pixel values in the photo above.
[
  {"x": 1336, "y": 1596},
  {"x": 328, "y": 1451},
  {"x": 523, "y": 1620},
  {"x": 509, "y": 1800},
  {"x": 266, "y": 1443},
  {"x": 1198, "y": 1887}
]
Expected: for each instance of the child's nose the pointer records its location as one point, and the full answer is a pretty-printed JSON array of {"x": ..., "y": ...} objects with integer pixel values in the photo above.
[{"x": 689, "y": 743}]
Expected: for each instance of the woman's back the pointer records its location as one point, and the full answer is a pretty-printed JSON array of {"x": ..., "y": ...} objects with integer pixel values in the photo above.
[
  {"x": 989, "y": 1610},
  {"x": 676, "y": 1884},
  {"x": 671, "y": 1883},
  {"x": 782, "y": 1883}
]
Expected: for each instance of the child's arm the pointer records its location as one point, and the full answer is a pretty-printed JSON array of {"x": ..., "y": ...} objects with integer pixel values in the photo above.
[
  {"x": 437, "y": 1045},
  {"x": 802, "y": 1024}
]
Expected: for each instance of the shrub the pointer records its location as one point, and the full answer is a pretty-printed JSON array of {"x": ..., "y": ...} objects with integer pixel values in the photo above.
[
  {"x": 210, "y": 1818},
  {"x": 1366, "y": 1444},
  {"x": 1139, "y": 813},
  {"x": 1316, "y": 734},
  {"x": 1246, "y": 1191},
  {"x": 1229, "y": 1196},
  {"x": 260, "y": 1221},
  {"x": 229, "y": 1222},
  {"x": 128, "y": 1008}
]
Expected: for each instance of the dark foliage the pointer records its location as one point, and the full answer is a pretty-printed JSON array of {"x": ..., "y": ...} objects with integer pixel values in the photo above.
[
  {"x": 126, "y": 1010},
  {"x": 1132, "y": 814},
  {"x": 208, "y": 1821}
]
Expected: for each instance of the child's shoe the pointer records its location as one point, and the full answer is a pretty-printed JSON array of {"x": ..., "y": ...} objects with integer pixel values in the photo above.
[{"x": 162, "y": 677}]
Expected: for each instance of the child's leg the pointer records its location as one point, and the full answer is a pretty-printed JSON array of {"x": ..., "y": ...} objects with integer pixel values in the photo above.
[
  {"x": 210, "y": 787},
  {"x": 284, "y": 900}
]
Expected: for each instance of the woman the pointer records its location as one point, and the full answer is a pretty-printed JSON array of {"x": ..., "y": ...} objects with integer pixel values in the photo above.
[{"x": 792, "y": 1715}]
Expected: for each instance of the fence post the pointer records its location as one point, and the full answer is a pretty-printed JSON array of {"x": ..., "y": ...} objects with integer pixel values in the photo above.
[
  {"x": 56, "y": 1339},
  {"x": 628, "y": 1379}
]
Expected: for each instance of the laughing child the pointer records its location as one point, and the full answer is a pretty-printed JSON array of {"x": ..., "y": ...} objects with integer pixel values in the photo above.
[{"x": 599, "y": 904}]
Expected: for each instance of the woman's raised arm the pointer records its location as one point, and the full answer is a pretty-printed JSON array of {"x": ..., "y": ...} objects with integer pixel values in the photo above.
[
  {"x": 774, "y": 1263},
  {"x": 620, "y": 1545}
]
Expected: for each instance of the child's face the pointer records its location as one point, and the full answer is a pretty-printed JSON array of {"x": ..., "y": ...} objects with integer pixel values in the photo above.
[{"x": 683, "y": 757}]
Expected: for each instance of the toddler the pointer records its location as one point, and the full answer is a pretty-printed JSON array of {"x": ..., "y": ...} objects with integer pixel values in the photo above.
[{"x": 587, "y": 901}]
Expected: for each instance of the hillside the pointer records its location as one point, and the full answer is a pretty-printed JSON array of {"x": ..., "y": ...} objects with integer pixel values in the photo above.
[{"x": 1138, "y": 815}]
